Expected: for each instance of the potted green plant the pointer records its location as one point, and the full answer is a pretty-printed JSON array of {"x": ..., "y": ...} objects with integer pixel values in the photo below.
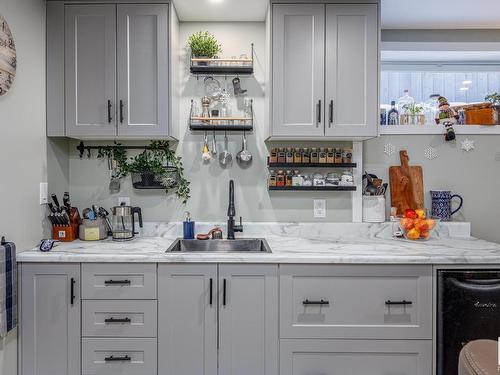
[
  {"x": 204, "y": 45},
  {"x": 413, "y": 114}
]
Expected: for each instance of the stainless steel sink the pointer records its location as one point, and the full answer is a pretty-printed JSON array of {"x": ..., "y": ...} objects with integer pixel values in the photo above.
[{"x": 239, "y": 245}]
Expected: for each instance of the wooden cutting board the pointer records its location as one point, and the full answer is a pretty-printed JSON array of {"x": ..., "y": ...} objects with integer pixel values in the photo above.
[{"x": 407, "y": 185}]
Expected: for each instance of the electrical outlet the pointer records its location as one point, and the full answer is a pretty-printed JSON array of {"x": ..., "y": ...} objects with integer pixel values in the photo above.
[
  {"x": 44, "y": 193},
  {"x": 319, "y": 207},
  {"x": 124, "y": 200}
]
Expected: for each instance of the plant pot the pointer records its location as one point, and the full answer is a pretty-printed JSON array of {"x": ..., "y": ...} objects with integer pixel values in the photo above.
[
  {"x": 202, "y": 63},
  {"x": 496, "y": 107},
  {"x": 148, "y": 179}
]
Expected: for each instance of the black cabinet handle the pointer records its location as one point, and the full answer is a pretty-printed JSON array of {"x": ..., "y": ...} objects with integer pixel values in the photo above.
[
  {"x": 111, "y": 358},
  {"x": 330, "y": 122},
  {"x": 121, "y": 111},
  {"x": 320, "y": 302},
  {"x": 319, "y": 113},
  {"x": 403, "y": 302},
  {"x": 109, "y": 111},
  {"x": 211, "y": 291},
  {"x": 117, "y": 282},
  {"x": 114, "y": 320},
  {"x": 73, "y": 281},
  {"x": 224, "y": 292}
]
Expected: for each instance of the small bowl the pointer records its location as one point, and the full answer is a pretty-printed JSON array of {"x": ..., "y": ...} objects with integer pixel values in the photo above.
[{"x": 418, "y": 229}]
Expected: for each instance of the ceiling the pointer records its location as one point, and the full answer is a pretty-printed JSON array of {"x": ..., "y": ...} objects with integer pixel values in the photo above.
[{"x": 396, "y": 14}]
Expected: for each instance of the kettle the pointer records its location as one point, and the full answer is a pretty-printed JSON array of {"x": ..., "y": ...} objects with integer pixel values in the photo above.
[{"x": 123, "y": 222}]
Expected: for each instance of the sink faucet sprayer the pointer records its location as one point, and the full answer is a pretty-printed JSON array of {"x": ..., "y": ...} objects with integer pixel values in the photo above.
[{"x": 231, "y": 213}]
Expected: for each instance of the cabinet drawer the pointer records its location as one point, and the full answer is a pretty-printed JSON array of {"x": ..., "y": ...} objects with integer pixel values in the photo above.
[
  {"x": 118, "y": 356},
  {"x": 384, "y": 302},
  {"x": 119, "y": 281},
  {"x": 374, "y": 357},
  {"x": 115, "y": 318}
]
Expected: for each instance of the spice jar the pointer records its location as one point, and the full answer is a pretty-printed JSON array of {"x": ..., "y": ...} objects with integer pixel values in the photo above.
[
  {"x": 273, "y": 157},
  {"x": 346, "y": 179},
  {"x": 289, "y": 156},
  {"x": 347, "y": 156},
  {"x": 314, "y": 155},
  {"x": 318, "y": 179},
  {"x": 297, "y": 179},
  {"x": 332, "y": 179},
  {"x": 307, "y": 180},
  {"x": 272, "y": 178},
  {"x": 281, "y": 155},
  {"x": 280, "y": 179},
  {"x": 297, "y": 155},
  {"x": 338, "y": 156},
  {"x": 288, "y": 178},
  {"x": 330, "y": 155},
  {"x": 322, "y": 156},
  {"x": 306, "y": 156}
]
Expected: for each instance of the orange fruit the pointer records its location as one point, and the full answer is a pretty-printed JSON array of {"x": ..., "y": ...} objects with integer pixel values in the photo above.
[
  {"x": 413, "y": 234},
  {"x": 425, "y": 234},
  {"x": 431, "y": 223},
  {"x": 407, "y": 223}
]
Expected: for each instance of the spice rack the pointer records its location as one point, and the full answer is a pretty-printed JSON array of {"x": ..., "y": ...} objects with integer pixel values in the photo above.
[
  {"x": 225, "y": 67},
  {"x": 313, "y": 188},
  {"x": 232, "y": 123}
]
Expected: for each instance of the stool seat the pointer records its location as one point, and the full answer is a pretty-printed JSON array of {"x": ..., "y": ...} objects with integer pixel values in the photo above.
[{"x": 479, "y": 357}]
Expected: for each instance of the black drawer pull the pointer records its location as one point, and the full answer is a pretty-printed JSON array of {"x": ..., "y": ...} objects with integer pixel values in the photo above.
[
  {"x": 224, "y": 292},
  {"x": 109, "y": 112},
  {"x": 117, "y": 282},
  {"x": 111, "y": 358},
  {"x": 73, "y": 291},
  {"x": 211, "y": 291},
  {"x": 320, "y": 302},
  {"x": 403, "y": 302},
  {"x": 114, "y": 320}
]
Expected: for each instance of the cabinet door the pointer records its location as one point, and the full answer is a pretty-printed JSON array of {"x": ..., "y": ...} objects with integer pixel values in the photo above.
[
  {"x": 142, "y": 50},
  {"x": 90, "y": 70},
  {"x": 50, "y": 319},
  {"x": 351, "y": 70},
  {"x": 187, "y": 319},
  {"x": 248, "y": 319},
  {"x": 298, "y": 52},
  {"x": 340, "y": 357}
]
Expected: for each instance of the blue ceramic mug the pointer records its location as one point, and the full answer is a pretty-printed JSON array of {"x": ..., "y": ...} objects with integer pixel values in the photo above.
[{"x": 441, "y": 204}]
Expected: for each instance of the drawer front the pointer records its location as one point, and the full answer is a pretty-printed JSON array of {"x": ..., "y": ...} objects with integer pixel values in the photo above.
[
  {"x": 374, "y": 357},
  {"x": 116, "y": 318},
  {"x": 384, "y": 302},
  {"x": 118, "y": 281},
  {"x": 130, "y": 356}
]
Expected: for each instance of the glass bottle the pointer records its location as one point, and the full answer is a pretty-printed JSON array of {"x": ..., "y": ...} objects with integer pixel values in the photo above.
[
  {"x": 281, "y": 155},
  {"x": 314, "y": 155},
  {"x": 273, "y": 157},
  {"x": 347, "y": 155},
  {"x": 289, "y": 156},
  {"x": 405, "y": 102},
  {"x": 297, "y": 179},
  {"x": 393, "y": 115},
  {"x": 288, "y": 178},
  {"x": 322, "y": 156},
  {"x": 306, "y": 156},
  {"x": 272, "y": 178},
  {"x": 330, "y": 155},
  {"x": 297, "y": 155},
  {"x": 338, "y": 156},
  {"x": 280, "y": 178}
]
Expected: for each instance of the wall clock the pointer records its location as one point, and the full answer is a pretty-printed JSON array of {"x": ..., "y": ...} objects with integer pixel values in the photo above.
[{"x": 7, "y": 57}]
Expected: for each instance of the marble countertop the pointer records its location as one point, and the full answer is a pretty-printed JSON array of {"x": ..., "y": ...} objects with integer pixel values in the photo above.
[{"x": 290, "y": 243}]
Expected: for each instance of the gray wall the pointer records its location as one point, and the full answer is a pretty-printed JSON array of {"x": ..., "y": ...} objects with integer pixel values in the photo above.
[
  {"x": 89, "y": 178},
  {"x": 22, "y": 135}
]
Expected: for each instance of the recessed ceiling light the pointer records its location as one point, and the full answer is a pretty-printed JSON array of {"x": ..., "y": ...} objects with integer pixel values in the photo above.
[
  {"x": 463, "y": 88},
  {"x": 215, "y": 1},
  {"x": 466, "y": 82}
]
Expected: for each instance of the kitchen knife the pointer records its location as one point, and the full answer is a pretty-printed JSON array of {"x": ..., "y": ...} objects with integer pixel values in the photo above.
[
  {"x": 66, "y": 201},
  {"x": 56, "y": 201},
  {"x": 51, "y": 208}
]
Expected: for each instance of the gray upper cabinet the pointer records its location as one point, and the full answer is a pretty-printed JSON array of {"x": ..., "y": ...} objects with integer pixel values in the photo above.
[
  {"x": 90, "y": 70},
  {"x": 142, "y": 50},
  {"x": 187, "y": 319},
  {"x": 351, "y": 84},
  {"x": 50, "y": 319},
  {"x": 248, "y": 319},
  {"x": 298, "y": 69},
  {"x": 324, "y": 71}
]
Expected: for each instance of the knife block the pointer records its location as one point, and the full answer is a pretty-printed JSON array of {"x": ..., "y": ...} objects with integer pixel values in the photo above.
[{"x": 65, "y": 233}]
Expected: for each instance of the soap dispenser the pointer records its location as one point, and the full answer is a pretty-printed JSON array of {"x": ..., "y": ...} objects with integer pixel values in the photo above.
[{"x": 188, "y": 227}]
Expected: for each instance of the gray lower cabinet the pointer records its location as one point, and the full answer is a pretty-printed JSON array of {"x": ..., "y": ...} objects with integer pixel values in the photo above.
[
  {"x": 49, "y": 319},
  {"x": 187, "y": 315},
  {"x": 248, "y": 319},
  {"x": 340, "y": 357}
]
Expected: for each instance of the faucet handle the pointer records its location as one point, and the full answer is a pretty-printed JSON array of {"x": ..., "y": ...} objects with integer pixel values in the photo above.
[{"x": 241, "y": 222}]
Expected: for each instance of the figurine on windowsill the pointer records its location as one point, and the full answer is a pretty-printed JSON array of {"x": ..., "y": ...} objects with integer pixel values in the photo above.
[{"x": 447, "y": 117}]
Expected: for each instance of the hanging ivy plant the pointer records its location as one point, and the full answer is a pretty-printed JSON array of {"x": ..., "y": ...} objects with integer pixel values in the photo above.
[{"x": 159, "y": 161}]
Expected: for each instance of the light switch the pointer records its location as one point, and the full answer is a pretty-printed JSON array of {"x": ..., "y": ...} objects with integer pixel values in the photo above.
[
  {"x": 124, "y": 200},
  {"x": 319, "y": 207},
  {"x": 44, "y": 193}
]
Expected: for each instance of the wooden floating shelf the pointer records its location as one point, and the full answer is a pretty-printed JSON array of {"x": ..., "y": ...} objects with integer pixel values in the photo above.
[
  {"x": 203, "y": 59},
  {"x": 211, "y": 127},
  {"x": 311, "y": 165},
  {"x": 213, "y": 119},
  {"x": 438, "y": 129},
  {"x": 313, "y": 188}
]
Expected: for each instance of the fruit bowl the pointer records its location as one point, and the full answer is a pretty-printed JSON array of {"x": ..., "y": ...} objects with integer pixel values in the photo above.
[{"x": 417, "y": 227}]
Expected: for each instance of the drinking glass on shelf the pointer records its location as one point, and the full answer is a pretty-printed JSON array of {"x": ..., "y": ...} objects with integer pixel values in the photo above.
[{"x": 244, "y": 56}]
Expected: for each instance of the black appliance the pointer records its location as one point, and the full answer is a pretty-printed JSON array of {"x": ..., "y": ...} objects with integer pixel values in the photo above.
[{"x": 468, "y": 308}]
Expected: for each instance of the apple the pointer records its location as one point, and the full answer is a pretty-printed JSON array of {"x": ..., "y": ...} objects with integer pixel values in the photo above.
[
  {"x": 410, "y": 214},
  {"x": 406, "y": 223},
  {"x": 413, "y": 234}
]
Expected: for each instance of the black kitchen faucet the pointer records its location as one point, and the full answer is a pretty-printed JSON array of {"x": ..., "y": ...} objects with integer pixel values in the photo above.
[{"x": 231, "y": 212}]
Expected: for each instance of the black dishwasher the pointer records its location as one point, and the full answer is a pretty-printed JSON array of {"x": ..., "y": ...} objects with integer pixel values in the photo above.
[{"x": 467, "y": 309}]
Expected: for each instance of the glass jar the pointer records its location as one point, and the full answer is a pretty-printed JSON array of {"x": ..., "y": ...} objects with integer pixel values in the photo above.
[
  {"x": 273, "y": 157},
  {"x": 314, "y": 155},
  {"x": 306, "y": 156},
  {"x": 338, "y": 156},
  {"x": 297, "y": 179},
  {"x": 330, "y": 156},
  {"x": 346, "y": 179},
  {"x": 280, "y": 179},
  {"x": 307, "y": 180},
  {"x": 297, "y": 155},
  {"x": 347, "y": 155},
  {"x": 288, "y": 178},
  {"x": 318, "y": 179},
  {"x": 272, "y": 178},
  {"x": 322, "y": 156},
  {"x": 289, "y": 156},
  {"x": 281, "y": 155},
  {"x": 332, "y": 179}
]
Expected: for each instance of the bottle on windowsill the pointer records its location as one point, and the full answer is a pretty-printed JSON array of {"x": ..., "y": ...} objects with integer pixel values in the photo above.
[{"x": 393, "y": 115}]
